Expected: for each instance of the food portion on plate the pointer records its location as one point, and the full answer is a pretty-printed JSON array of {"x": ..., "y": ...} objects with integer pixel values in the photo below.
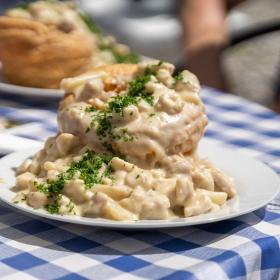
[
  {"x": 5, "y": 123},
  {"x": 45, "y": 41},
  {"x": 126, "y": 149}
]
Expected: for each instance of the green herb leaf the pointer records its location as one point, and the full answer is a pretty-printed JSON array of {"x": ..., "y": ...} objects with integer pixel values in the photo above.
[
  {"x": 89, "y": 23},
  {"x": 89, "y": 168},
  {"x": 71, "y": 207},
  {"x": 126, "y": 58},
  {"x": 90, "y": 109},
  {"x": 179, "y": 77},
  {"x": 102, "y": 120},
  {"x": 52, "y": 208}
]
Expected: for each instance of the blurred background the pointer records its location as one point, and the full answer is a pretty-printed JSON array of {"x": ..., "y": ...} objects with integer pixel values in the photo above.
[{"x": 229, "y": 56}]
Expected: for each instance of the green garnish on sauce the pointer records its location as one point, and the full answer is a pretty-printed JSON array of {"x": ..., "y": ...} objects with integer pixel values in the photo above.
[
  {"x": 179, "y": 77},
  {"x": 87, "y": 169},
  {"x": 91, "y": 25},
  {"x": 102, "y": 120},
  {"x": 52, "y": 208},
  {"x": 90, "y": 109}
]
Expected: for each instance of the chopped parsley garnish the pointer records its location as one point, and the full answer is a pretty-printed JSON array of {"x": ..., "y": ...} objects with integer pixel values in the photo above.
[
  {"x": 120, "y": 102},
  {"x": 178, "y": 77},
  {"x": 90, "y": 109},
  {"x": 90, "y": 23},
  {"x": 52, "y": 208},
  {"x": 71, "y": 207},
  {"x": 102, "y": 120},
  {"x": 88, "y": 170},
  {"x": 126, "y": 58},
  {"x": 127, "y": 138}
]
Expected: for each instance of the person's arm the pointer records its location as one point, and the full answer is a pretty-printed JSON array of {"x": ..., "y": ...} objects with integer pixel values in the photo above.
[{"x": 206, "y": 36}]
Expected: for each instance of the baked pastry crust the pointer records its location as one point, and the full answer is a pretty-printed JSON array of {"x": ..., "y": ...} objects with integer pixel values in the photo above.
[
  {"x": 110, "y": 72},
  {"x": 37, "y": 55}
]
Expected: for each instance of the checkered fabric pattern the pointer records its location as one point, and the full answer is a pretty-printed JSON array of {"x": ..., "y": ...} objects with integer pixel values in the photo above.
[{"x": 246, "y": 247}]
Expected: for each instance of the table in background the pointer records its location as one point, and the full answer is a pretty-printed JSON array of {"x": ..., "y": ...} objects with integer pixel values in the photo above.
[{"x": 247, "y": 246}]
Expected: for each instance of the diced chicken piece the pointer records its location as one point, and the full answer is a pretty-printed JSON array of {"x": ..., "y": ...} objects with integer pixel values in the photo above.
[
  {"x": 65, "y": 142},
  {"x": 24, "y": 166},
  {"x": 155, "y": 207},
  {"x": 148, "y": 205},
  {"x": 202, "y": 178},
  {"x": 37, "y": 199},
  {"x": 223, "y": 183},
  {"x": 198, "y": 204},
  {"x": 25, "y": 181}
]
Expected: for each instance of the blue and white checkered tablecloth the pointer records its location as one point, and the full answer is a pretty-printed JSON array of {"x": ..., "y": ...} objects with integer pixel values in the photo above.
[{"x": 246, "y": 247}]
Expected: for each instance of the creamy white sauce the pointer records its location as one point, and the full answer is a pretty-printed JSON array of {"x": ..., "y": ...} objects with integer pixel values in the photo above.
[{"x": 161, "y": 177}]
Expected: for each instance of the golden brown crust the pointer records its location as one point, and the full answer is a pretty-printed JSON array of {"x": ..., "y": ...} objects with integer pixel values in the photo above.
[
  {"x": 37, "y": 55},
  {"x": 115, "y": 69},
  {"x": 66, "y": 100},
  {"x": 110, "y": 81}
]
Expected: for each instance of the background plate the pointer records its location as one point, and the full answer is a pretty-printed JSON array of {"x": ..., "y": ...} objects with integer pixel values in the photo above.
[
  {"x": 256, "y": 185},
  {"x": 6, "y": 88}
]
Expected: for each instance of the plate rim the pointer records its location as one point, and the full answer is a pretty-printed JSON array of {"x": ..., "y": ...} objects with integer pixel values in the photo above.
[
  {"x": 141, "y": 224},
  {"x": 15, "y": 90}
]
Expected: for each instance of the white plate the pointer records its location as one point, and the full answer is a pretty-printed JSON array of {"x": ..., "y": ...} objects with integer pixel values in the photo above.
[
  {"x": 6, "y": 88},
  {"x": 256, "y": 185}
]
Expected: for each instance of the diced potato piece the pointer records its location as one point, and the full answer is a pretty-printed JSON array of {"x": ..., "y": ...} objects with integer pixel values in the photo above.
[
  {"x": 119, "y": 164},
  {"x": 184, "y": 190},
  {"x": 114, "y": 192},
  {"x": 203, "y": 179},
  {"x": 114, "y": 211},
  {"x": 57, "y": 165},
  {"x": 216, "y": 197},
  {"x": 101, "y": 205},
  {"x": 198, "y": 204},
  {"x": 76, "y": 191}
]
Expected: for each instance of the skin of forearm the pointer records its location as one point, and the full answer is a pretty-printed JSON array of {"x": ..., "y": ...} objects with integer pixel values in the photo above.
[{"x": 205, "y": 36}]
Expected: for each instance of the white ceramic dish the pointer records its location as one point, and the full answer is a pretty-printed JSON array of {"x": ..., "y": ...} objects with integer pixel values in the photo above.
[{"x": 256, "y": 185}]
